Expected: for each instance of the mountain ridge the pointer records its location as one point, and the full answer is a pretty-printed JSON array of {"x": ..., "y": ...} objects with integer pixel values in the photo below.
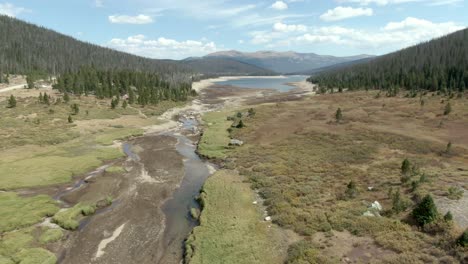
[{"x": 285, "y": 62}]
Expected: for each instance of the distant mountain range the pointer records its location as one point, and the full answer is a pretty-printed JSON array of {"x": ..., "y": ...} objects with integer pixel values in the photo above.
[
  {"x": 282, "y": 62},
  {"x": 224, "y": 66}
]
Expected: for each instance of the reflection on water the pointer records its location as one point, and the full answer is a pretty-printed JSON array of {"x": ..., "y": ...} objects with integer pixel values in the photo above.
[{"x": 278, "y": 83}]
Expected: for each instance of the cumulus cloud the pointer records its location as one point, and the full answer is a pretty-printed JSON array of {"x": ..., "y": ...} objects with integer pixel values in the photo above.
[
  {"x": 279, "y": 5},
  {"x": 340, "y": 13},
  {"x": 162, "y": 48},
  {"x": 392, "y": 36},
  {"x": 288, "y": 28},
  {"x": 124, "y": 19},
  {"x": 11, "y": 10}
]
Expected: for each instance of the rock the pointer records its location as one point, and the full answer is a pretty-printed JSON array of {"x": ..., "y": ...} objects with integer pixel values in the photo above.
[
  {"x": 255, "y": 202},
  {"x": 370, "y": 188},
  {"x": 376, "y": 205},
  {"x": 268, "y": 218},
  {"x": 236, "y": 142}
]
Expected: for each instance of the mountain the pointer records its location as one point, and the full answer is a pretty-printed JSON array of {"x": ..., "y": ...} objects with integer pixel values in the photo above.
[
  {"x": 333, "y": 67},
  {"x": 437, "y": 65},
  {"x": 284, "y": 62},
  {"x": 26, "y": 47},
  {"x": 224, "y": 66}
]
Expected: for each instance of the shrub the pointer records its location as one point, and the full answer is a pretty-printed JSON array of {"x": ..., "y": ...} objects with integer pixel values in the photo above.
[
  {"x": 351, "y": 190},
  {"x": 463, "y": 239},
  {"x": 405, "y": 167},
  {"x": 448, "y": 216},
  {"x": 338, "y": 115},
  {"x": 399, "y": 204},
  {"x": 447, "y": 109},
  {"x": 426, "y": 211},
  {"x": 455, "y": 193}
]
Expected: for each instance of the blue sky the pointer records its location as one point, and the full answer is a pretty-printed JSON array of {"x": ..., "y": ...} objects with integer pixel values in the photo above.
[{"x": 176, "y": 29}]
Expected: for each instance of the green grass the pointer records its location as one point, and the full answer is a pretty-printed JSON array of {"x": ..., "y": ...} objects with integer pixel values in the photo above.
[
  {"x": 115, "y": 169},
  {"x": 69, "y": 218},
  {"x": 231, "y": 228},
  {"x": 18, "y": 212},
  {"x": 54, "y": 164},
  {"x": 215, "y": 137},
  {"x": 35, "y": 256},
  {"x": 51, "y": 235},
  {"x": 108, "y": 137}
]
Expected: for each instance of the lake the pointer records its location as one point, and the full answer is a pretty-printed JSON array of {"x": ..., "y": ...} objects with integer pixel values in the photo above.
[{"x": 275, "y": 82}]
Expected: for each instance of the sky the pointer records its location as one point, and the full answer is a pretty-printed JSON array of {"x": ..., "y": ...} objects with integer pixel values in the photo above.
[{"x": 176, "y": 29}]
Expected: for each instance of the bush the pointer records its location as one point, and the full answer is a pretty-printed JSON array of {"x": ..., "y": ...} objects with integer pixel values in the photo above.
[
  {"x": 455, "y": 193},
  {"x": 447, "y": 109},
  {"x": 405, "y": 167},
  {"x": 463, "y": 239},
  {"x": 351, "y": 190},
  {"x": 448, "y": 217},
  {"x": 426, "y": 211}
]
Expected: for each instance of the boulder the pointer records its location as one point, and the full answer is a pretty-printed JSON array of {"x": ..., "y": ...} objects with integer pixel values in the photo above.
[{"x": 236, "y": 142}]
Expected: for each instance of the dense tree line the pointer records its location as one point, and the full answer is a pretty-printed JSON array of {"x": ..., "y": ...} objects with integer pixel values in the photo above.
[
  {"x": 138, "y": 87},
  {"x": 438, "y": 65},
  {"x": 27, "y": 48}
]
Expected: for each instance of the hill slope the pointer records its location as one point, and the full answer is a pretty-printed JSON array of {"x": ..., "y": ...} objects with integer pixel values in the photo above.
[
  {"x": 27, "y": 47},
  {"x": 437, "y": 65},
  {"x": 224, "y": 66},
  {"x": 284, "y": 62}
]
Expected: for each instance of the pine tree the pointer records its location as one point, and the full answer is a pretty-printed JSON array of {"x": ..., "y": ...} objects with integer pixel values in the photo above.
[
  {"x": 70, "y": 119},
  {"x": 426, "y": 211},
  {"x": 448, "y": 148},
  {"x": 11, "y": 102},
  {"x": 448, "y": 216},
  {"x": 124, "y": 104},
  {"x": 338, "y": 115},
  {"x": 41, "y": 98},
  {"x": 240, "y": 124},
  {"x": 447, "y": 109},
  {"x": 30, "y": 82},
  {"x": 75, "y": 109},
  {"x": 46, "y": 99},
  {"x": 405, "y": 167},
  {"x": 66, "y": 97},
  {"x": 351, "y": 190},
  {"x": 463, "y": 239}
]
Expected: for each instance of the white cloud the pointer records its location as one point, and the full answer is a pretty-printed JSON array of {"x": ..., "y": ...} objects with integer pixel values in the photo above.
[
  {"x": 340, "y": 13},
  {"x": 280, "y": 27},
  {"x": 124, "y": 19},
  {"x": 279, "y": 5},
  {"x": 11, "y": 10},
  {"x": 390, "y": 37},
  {"x": 389, "y": 2},
  {"x": 240, "y": 41},
  {"x": 162, "y": 47},
  {"x": 99, "y": 3}
]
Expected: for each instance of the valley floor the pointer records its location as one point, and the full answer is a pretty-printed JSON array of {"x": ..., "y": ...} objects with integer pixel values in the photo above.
[{"x": 301, "y": 161}]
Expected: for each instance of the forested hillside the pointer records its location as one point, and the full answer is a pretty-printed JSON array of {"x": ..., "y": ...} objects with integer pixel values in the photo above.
[
  {"x": 26, "y": 47},
  {"x": 437, "y": 65},
  {"x": 150, "y": 88}
]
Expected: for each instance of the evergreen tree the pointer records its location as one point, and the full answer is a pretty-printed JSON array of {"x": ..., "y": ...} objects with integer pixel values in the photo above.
[
  {"x": 30, "y": 82},
  {"x": 124, "y": 104},
  {"x": 11, "y": 102},
  {"x": 463, "y": 239},
  {"x": 425, "y": 212},
  {"x": 46, "y": 99},
  {"x": 405, "y": 167},
  {"x": 66, "y": 97},
  {"x": 448, "y": 148},
  {"x": 447, "y": 109},
  {"x": 351, "y": 190},
  {"x": 240, "y": 124},
  {"x": 41, "y": 98},
  {"x": 448, "y": 217},
  {"x": 70, "y": 119},
  {"x": 75, "y": 108},
  {"x": 338, "y": 115}
]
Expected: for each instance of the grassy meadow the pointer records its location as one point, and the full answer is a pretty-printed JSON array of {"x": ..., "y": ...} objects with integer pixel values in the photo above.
[
  {"x": 302, "y": 161},
  {"x": 49, "y": 144},
  {"x": 231, "y": 226}
]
